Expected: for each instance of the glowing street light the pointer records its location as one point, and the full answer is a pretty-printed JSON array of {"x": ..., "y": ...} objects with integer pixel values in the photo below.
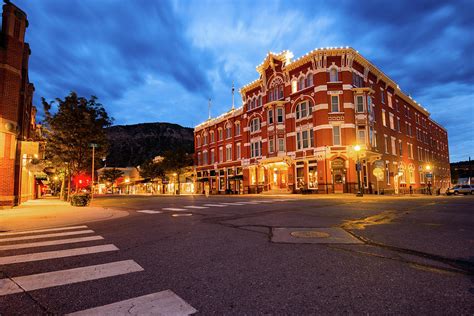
[{"x": 359, "y": 191}]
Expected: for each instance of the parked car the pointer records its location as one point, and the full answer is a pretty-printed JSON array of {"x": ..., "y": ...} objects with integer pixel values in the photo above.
[{"x": 460, "y": 189}]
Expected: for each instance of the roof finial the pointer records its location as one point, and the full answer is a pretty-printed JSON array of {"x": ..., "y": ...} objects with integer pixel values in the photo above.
[{"x": 233, "y": 89}]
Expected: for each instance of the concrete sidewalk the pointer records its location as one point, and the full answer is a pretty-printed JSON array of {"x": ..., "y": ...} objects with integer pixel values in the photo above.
[{"x": 51, "y": 212}]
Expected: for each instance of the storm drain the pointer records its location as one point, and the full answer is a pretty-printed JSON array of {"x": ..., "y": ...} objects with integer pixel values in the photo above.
[{"x": 295, "y": 235}]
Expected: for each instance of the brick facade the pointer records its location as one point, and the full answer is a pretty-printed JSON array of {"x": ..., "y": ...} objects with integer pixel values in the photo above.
[
  {"x": 17, "y": 113},
  {"x": 299, "y": 125}
]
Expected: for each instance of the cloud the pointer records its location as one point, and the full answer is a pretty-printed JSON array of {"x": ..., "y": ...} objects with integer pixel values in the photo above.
[{"x": 161, "y": 60}]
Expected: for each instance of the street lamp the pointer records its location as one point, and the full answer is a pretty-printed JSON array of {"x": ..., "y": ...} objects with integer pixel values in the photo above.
[
  {"x": 428, "y": 169},
  {"x": 359, "y": 191}
]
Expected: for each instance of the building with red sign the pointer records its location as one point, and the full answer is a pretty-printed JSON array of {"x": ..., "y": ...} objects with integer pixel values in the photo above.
[
  {"x": 305, "y": 123},
  {"x": 18, "y": 150}
]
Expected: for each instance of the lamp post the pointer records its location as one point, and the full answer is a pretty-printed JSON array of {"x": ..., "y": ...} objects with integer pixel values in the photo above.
[
  {"x": 359, "y": 191},
  {"x": 428, "y": 169}
]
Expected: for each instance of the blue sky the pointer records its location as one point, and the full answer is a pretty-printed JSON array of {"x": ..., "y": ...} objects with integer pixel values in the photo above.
[{"x": 159, "y": 61}]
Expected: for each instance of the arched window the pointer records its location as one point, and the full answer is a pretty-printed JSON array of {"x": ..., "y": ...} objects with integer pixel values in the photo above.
[
  {"x": 237, "y": 128},
  {"x": 333, "y": 76},
  {"x": 255, "y": 125},
  {"x": 228, "y": 130},
  {"x": 204, "y": 139},
  {"x": 303, "y": 110},
  {"x": 309, "y": 80},
  {"x": 198, "y": 140},
  {"x": 211, "y": 136},
  {"x": 301, "y": 83}
]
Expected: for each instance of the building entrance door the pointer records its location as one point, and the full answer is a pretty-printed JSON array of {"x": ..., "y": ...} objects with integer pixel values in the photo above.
[{"x": 339, "y": 175}]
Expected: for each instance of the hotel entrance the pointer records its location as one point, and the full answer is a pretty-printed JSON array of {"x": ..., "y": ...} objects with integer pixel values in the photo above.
[
  {"x": 338, "y": 174},
  {"x": 277, "y": 176}
]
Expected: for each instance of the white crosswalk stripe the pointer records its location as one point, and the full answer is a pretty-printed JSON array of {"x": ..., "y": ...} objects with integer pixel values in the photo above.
[
  {"x": 80, "y": 232},
  {"x": 196, "y": 207},
  {"x": 173, "y": 209},
  {"x": 50, "y": 243},
  {"x": 160, "y": 303},
  {"x": 38, "y": 256},
  {"x": 233, "y": 203},
  {"x": 150, "y": 212},
  {"x": 42, "y": 230},
  {"x": 70, "y": 276},
  {"x": 215, "y": 205},
  {"x": 249, "y": 202}
]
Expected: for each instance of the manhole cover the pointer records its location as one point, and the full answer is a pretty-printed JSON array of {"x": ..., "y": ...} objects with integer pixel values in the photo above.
[{"x": 309, "y": 234}]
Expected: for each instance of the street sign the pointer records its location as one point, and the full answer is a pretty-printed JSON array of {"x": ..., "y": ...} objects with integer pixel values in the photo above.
[
  {"x": 378, "y": 173},
  {"x": 379, "y": 164}
]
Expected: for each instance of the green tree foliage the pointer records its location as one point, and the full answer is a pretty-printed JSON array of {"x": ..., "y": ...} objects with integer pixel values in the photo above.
[
  {"x": 76, "y": 123},
  {"x": 111, "y": 175},
  {"x": 152, "y": 170},
  {"x": 176, "y": 161}
]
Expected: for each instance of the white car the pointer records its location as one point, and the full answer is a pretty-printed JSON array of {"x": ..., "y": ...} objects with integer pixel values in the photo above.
[{"x": 460, "y": 189}]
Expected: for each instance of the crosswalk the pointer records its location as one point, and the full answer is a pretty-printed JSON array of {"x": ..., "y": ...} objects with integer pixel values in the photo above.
[
  {"x": 205, "y": 205},
  {"x": 35, "y": 241}
]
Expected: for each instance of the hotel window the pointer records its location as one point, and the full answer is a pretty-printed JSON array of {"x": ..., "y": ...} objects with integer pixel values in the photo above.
[
  {"x": 336, "y": 135},
  {"x": 389, "y": 99},
  {"x": 228, "y": 153},
  {"x": 271, "y": 145},
  {"x": 255, "y": 125},
  {"x": 397, "y": 108},
  {"x": 312, "y": 174},
  {"x": 228, "y": 131},
  {"x": 384, "y": 120},
  {"x": 302, "y": 110},
  {"x": 199, "y": 159},
  {"x": 280, "y": 115},
  {"x": 204, "y": 139},
  {"x": 280, "y": 92},
  {"x": 237, "y": 149},
  {"x": 304, "y": 139},
  {"x": 410, "y": 150},
  {"x": 361, "y": 135},
  {"x": 385, "y": 143},
  {"x": 391, "y": 120},
  {"x": 294, "y": 86},
  {"x": 357, "y": 81},
  {"x": 300, "y": 174},
  {"x": 369, "y": 104},
  {"x": 255, "y": 148},
  {"x": 212, "y": 156},
  {"x": 334, "y": 103},
  {"x": 219, "y": 133},
  {"x": 204, "y": 157},
  {"x": 270, "y": 116},
  {"x": 398, "y": 124},
  {"x": 382, "y": 96},
  {"x": 198, "y": 140},
  {"x": 311, "y": 138},
  {"x": 393, "y": 145},
  {"x": 301, "y": 83},
  {"x": 422, "y": 175},
  {"x": 411, "y": 173},
  {"x": 333, "y": 75},
  {"x": 237, "y": 129},
  {"x": 374, "y": 141},
  {"x": 211, "y": 136},
  {"x": 360, "y": 104},
  {"x": 281, "y": 144},
  {"x": 260, "y": 101},
  {"x": 400, "y": 147},
  {"x": 309, "y": 80},
  {"x": 409, "y": 129},
  {"x": 221, "y": 154}
]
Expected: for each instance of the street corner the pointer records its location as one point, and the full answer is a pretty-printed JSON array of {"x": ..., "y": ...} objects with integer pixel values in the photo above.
[{"x": 308, "y": 235}]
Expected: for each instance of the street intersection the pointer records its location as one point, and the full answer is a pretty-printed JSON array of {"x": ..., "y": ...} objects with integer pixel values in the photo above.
[{"x": 248, "y": 255}]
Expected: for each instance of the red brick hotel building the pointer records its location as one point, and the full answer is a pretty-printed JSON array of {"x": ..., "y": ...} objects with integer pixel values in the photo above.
[{"x": 299, "y": 125}]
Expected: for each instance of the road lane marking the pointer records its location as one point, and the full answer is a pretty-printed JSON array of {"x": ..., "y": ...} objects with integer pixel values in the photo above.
[
  {"x": 233, "y": 203},
  {"x": 80, "y": 232},
  {"x": 42, "y": 230},
  {"x": 56, "y": 254},
  {"x": 173, "y": 209},
  {"x": 51, "y": 243},
  {"x": 215, "y": 205},
  {"x": 196, "y": 207},
  {"x": 63, "y": 277},
  {"x": 160, "y": 303},
  {"x": 249, "y": 202},
  {"x": 150, "y": 212}
]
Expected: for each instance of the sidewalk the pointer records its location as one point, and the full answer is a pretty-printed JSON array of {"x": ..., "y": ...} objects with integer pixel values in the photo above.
[{"x": 51, "y": 212}]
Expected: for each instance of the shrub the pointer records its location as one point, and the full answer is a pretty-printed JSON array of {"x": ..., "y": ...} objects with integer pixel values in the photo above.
[{"x": 80, "y": 199}]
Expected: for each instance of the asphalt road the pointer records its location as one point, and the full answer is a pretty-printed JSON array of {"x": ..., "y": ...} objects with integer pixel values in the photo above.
[{"x": 375, "y": 255}]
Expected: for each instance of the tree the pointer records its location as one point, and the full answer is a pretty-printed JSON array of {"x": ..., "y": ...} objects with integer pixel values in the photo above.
[
  {"x": 176, "y": 161},
  {"x": 152, "y": 170},
  {"x": 111, "y": 175},
  {"x": 76, "y": 124}
]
